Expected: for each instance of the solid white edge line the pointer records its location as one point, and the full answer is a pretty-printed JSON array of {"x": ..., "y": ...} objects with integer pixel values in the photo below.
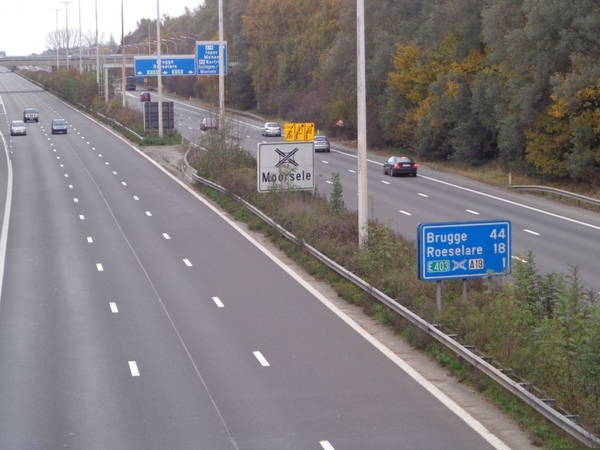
[
  {"x": 7, "y": 206},
  {"x": 134, "y": 369}
]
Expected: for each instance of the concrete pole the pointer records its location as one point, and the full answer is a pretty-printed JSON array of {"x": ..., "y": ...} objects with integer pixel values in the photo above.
[
  {"x": 159, "y": 64},
  {"x": 363, "y": 231},
  {"x": 221, "y": 68}
]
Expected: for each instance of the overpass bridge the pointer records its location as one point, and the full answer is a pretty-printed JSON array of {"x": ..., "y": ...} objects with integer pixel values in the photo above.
[{"x": 51, "y": 62}]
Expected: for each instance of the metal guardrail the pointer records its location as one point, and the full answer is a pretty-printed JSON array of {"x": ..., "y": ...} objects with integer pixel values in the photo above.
[
  {"x": 550, "y": 190},
  {"x": 539, "y": 405}
]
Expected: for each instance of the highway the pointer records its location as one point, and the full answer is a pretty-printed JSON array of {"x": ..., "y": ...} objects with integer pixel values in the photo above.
[
  {"x": 133, "y": 315},
  {"x": 559, "y": 236}
]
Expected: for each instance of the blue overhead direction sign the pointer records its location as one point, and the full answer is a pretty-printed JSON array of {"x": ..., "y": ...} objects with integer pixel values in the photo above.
[
  {"x": 207, "y": 54},
  {"x": 459, "y": 250},
  {"x": 171, "y": 65}
]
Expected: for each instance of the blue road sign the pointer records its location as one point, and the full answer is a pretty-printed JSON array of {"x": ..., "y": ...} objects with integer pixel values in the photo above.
[
  {"x": 461, "y": 250},
  {"x": 172, "y": 65},
  {"x": 207, "y": 53}
]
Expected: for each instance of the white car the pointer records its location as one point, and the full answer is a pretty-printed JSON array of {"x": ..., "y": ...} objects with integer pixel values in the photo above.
[
  {"x": 17, "y": 127},
  {"x": 271, "y": 129}
]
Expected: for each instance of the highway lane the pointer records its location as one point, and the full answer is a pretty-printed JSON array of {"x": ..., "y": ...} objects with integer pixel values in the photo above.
[{"x": 135, "y": 316}]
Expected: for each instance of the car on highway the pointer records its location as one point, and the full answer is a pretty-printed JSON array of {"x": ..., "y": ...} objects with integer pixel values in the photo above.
[
  {"x": 30, "y": 115},
  {"x": 145, "y": 97},
  {"x": 17, "y": 127},
  {"x": 209, "y": 123},
  {"x": 400, "y": 165},
  {"x": 271, "y": 129},
  {"x": 322, "y": 144},
  {"x": 58, "y": 126}
]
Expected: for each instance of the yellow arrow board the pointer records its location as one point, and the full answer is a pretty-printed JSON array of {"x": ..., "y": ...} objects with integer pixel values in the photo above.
[{"x": 299, "y": 131}]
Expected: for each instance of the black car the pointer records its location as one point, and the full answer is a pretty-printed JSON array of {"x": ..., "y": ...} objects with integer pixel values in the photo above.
[
  {"x": 398, "y": 165},
  {"x": 58, "y": 126}
]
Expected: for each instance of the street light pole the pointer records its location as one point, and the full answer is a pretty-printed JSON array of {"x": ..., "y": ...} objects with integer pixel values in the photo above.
[
  {"x": 67, "y": 28},
  {"x": 191, "y": 39},
  {"x": 123, "y": 56},
  {"x": 57, "y": 40},
  {"x": 97, "y": 53},
  {"x": 363, "y": 230},
  {"x": 80, "y": 63},
  {"x": 159, "y": 65}
]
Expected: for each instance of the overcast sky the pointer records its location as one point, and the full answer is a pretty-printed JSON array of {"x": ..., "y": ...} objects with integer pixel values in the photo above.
[{"x": 25, "y": 24}]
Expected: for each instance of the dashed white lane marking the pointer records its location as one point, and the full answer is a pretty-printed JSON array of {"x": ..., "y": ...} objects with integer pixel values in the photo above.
[
  {"x": 325, "y": 162},
  {"x": 261, "y": 359},
  {"x": 385, "y": 182},
  {"x": 134, "y": 369},
  {"x": 123, "y": 183},
  {"x": 328, "y": 182},
  {"x": 90, "y": 240},
  {"x": 423, "y": 195},
  {"x": 107, "y": 163},
  {"x": 351, "y": 171},
  {"x": 99, "y": 267},
  {"x": 535, "y": 233},
  {"x": 519, "y": 259},
  {"x": 472, "y": 212},
  {"x": 166, "y": 236},
  {"x": 76, "y": 200},
  {"x": 135, "y": 197},
  {"x": 114, "y": 172},
  {"x": 113, "y": 307},
  {"x": 406, "y": 213},
  {"x": 70, "y": 186},
  {"x": 81, "y": 217},
  {"x": 218, "y": 302},
  {"x": 148, "y": 213},
  {"x": 187, "y": 262},
  {"x": 61, "y": 165},
  {"x": 66, "y": 175},
  {"x": 326, "y": 445}
]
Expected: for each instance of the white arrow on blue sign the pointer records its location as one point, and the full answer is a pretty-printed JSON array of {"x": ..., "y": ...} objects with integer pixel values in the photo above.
[
  {"x": 459, "y": 250},
  {"x": 171, "y": 65}
]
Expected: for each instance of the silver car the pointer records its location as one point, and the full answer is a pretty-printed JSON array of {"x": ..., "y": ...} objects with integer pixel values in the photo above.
[
  {"x": 17, "y": 127},
  {"x": 322, "y": 144},
  {"x": 271, "y": 129}
]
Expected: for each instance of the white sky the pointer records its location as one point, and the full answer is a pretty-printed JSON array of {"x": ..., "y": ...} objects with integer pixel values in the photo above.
[{"x": 25, "y": 24}]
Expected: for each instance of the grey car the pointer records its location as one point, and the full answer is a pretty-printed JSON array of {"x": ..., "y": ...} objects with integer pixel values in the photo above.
[
  {"x": 58, "y": 126},
  {"x": 17, "y": 127},
  {"x": 322, "y": 144}
]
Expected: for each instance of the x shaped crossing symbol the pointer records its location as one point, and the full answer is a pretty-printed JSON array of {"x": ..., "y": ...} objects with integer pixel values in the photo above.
[
  {"x": 286, "y": 157},
  {"x": 459, "y": 265}
]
